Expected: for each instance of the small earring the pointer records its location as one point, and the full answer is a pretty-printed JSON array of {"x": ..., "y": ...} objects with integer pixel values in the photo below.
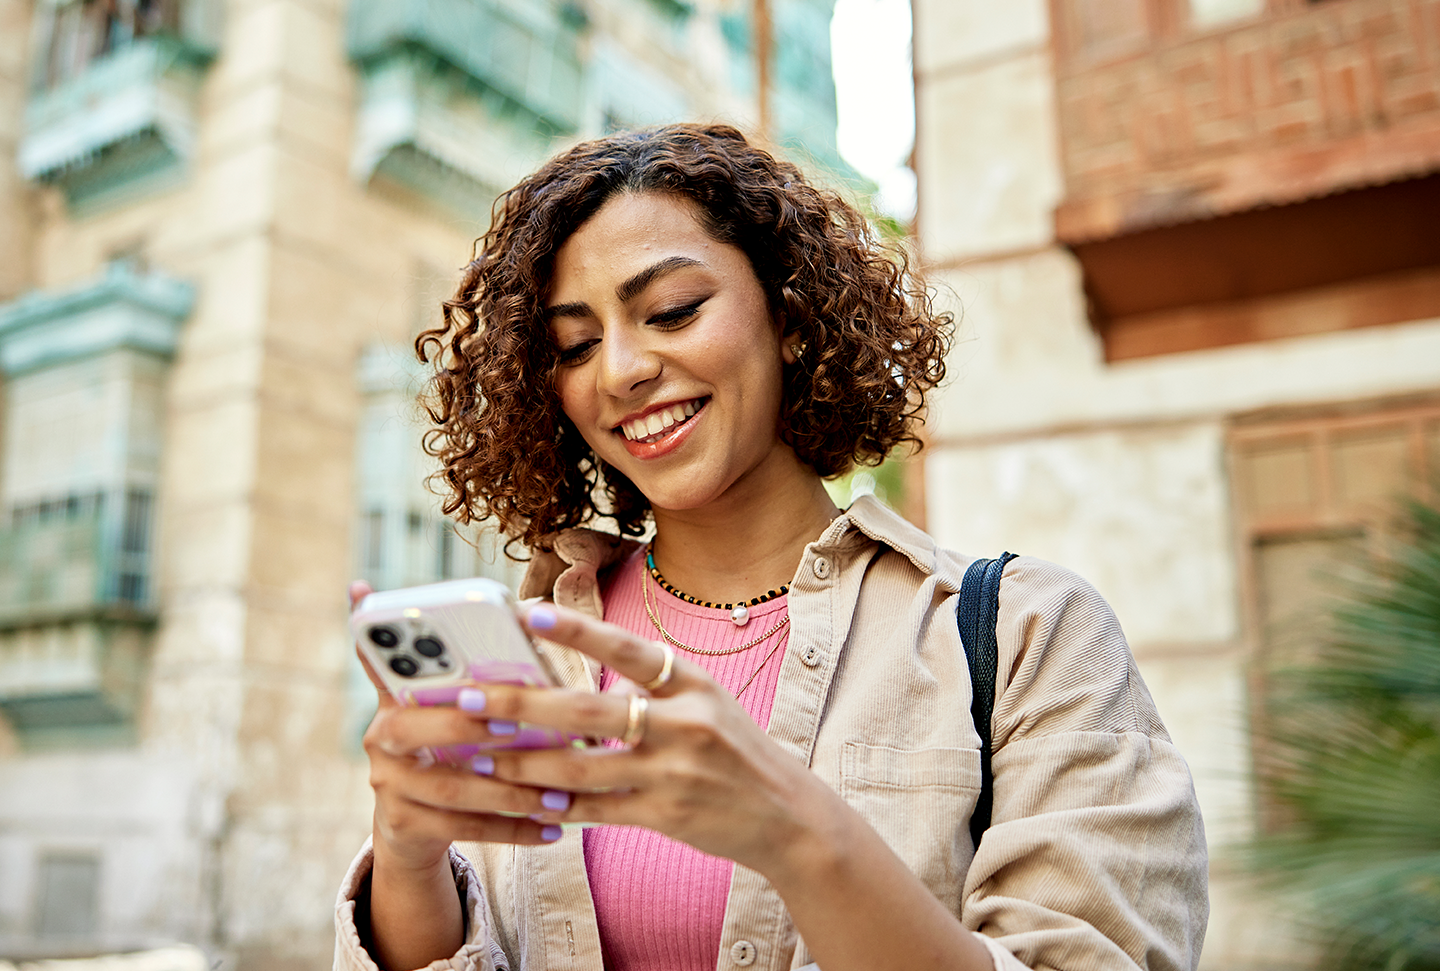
[{"x": 798, "y": 349}]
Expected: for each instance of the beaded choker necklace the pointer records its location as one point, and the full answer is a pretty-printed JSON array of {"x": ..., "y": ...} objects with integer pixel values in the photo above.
[{"x": 739, "y": 612}]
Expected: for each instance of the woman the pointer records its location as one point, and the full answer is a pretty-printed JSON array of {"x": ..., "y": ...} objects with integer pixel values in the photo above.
[{"x": 672, "y": 327}]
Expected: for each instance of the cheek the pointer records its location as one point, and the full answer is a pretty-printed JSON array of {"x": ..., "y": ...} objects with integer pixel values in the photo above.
[
  {"x": 571, "y": 393},
  {"x": 578, "y": 404}
]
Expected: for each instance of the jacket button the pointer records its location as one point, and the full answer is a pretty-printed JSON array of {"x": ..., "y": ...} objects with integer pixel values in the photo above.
[
  {"x": 821, "y": 566},
  {"x": 811, "y": 656},
  {"x": 742, "y": 953}
]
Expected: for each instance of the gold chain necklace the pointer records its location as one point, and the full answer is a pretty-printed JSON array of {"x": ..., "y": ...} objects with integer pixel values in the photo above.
[
  {"x": 757, "y": 670},
  {"x": 645, "y": 594}
]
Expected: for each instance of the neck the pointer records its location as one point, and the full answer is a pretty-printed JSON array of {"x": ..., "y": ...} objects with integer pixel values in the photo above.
[{"x": 748, "y": 541}]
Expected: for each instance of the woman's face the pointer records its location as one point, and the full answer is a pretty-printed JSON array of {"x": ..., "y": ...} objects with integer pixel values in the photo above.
[{"x": 670, "y": 362}]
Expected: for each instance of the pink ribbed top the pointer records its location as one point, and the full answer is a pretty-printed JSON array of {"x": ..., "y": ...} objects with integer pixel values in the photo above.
[{"x": 661, "y": 904}]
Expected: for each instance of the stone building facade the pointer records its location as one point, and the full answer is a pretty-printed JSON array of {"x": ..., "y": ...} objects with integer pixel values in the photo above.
[
  {"x": 221, "y": 224},
  {"x": 1193, "y": 244}
]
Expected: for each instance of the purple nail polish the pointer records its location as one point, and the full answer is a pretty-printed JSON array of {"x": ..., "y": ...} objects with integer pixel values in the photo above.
[
  {"x": 471, "y": 699},
  {"x": 542, "y": 617},
  {"x": 482, "y": 765},
  {"x": 498, "y": 727},
  {"x": 555, "y": 801},
  {"x": 551, "y": 833}
]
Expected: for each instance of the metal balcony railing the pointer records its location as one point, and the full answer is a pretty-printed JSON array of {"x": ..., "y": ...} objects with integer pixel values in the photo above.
[
  {"x": 526, "y": 53},
  {"x": 76, "y": 556}
]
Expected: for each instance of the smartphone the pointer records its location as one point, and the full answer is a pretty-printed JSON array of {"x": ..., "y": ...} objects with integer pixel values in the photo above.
[{"x": 429, "y": 642}]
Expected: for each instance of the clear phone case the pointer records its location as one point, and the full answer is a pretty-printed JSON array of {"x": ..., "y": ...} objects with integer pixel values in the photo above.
[{"x": 429, "y": 642}]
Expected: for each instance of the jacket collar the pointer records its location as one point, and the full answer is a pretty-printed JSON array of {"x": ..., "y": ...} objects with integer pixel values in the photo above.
[
  {"x": 870, "y": 518},
  {"x": 569, "y": 571}
]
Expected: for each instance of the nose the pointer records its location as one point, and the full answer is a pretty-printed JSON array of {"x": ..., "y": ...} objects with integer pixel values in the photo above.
[{"x": 626, "y": 362}]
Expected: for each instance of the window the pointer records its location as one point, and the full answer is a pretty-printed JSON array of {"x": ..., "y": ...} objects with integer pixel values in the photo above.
[
  {"x": 85, "y": 372},
  {"x": 113, "y": 94},
  {"x": 1213, "y": 13},
  {"x": 1310, "y": 493},
  {"x": 68, "y": 897},
  {"x": 402, "y": 539},
  {"x": 71, "y": 36}
]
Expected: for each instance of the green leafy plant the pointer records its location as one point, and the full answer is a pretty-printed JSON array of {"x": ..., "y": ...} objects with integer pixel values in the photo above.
[{"x": 1352, "y": 764}]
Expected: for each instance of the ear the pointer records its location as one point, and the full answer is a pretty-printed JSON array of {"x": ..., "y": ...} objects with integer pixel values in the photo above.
[{"x": 789, "y": 349}]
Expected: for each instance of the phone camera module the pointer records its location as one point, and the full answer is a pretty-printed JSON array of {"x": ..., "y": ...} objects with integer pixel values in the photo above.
[
  {"x": 404, "y": 666},
  {"x": 384, "y": 636},
  {"x": 429, "y": 646}
]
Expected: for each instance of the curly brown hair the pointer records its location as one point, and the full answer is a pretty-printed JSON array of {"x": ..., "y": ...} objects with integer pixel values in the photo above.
[{"x": 873, "y": 344}]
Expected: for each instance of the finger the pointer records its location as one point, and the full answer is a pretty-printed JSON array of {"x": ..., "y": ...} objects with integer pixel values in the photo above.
[
  {"x": 417, "y": 819},
  {"x": 581, "y": 713},
  {"x": 401, "y": 732},
  {"x": 593, "y": 769},
  {"x": 635, "y": 658},
  {"x": 620, "y": 808},
  {"x": 359, "y": 590},
  {"x": 461, "y": 790}
]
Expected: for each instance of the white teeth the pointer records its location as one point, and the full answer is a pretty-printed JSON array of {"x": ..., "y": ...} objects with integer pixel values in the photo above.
[{"x": 658, "y": 421}]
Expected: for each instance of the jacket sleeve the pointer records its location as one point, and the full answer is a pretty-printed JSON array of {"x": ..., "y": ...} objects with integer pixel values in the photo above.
[
  {"x": 478, "y": 953},
  {"x": 1096, "y": 857}
]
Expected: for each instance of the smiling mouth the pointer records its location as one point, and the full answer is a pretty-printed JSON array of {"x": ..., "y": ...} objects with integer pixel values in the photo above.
[{"x": 654, "y": 426}]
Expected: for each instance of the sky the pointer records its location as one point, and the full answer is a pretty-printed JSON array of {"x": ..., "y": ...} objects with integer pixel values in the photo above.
[{"x": 870, "y": 51}]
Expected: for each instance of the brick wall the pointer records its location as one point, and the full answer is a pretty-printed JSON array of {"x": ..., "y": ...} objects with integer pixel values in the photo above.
[{"x": 1296, "y": 103}]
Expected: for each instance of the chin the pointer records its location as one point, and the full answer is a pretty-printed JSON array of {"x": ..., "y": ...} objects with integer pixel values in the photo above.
[{"x": 679, "y": 497}]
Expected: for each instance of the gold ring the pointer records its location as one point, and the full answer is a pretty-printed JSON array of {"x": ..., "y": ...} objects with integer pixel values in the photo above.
[
  {"x": 635, "y": 723},
  {"x": 667, "y": 668}
]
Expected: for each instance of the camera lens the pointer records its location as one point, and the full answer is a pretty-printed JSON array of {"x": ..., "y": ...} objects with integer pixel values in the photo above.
[
  {"x": 384, "y": 636},
  {"x": 429, "y": 646},
  {"x": 404, "y": 666}
]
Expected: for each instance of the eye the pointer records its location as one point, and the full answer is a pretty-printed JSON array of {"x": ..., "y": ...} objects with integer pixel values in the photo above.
[
  {"x": 676, "y": 316},
  {"x": 576, "y": 353}
]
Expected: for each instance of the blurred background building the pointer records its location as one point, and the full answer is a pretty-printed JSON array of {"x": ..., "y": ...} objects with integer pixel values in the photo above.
[
  {"x": 1196, "y": 244},
  {"x": 222, "y": 222}
]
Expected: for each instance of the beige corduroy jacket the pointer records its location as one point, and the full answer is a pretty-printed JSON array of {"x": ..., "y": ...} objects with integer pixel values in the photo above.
[{"x": 1095, "y": 858}]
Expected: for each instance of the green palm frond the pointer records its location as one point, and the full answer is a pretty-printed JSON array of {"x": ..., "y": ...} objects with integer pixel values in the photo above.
[{"x": 1353, "y": 764}]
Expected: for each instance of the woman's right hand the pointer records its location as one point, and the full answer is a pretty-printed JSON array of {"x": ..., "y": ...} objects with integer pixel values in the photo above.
[{"x": 420, "y": 808}]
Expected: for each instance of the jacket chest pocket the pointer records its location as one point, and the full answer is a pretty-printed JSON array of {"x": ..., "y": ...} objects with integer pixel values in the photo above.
[{"x": 919, "y": 801}]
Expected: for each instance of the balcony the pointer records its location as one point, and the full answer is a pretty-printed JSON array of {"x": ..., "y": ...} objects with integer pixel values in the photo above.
[
  {"x": 459, "y": 98},
  {"x": 84, "y": 407},
  {"x": 75, "y": 612},
  {"x": 122, "y": 124},
  {"x": 77, "y": 557}
]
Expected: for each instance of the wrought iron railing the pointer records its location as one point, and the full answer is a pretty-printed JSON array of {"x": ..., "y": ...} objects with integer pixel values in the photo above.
[{"x": 76, "y": 555}]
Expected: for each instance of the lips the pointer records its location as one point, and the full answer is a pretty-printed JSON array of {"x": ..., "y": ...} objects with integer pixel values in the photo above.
[
  {"x": 673, "y": 424},
  {"x": 651, "y": 427}
]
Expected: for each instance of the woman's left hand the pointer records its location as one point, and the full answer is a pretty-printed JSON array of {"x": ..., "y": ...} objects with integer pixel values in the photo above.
[{"x": 702, "y": 772}]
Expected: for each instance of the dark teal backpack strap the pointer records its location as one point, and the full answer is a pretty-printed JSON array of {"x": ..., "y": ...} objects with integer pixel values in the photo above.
[{"x": 976, "y": 613}]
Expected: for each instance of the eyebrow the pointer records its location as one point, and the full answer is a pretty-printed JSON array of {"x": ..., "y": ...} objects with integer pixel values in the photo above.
[{"x": 628, "y": 290}]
